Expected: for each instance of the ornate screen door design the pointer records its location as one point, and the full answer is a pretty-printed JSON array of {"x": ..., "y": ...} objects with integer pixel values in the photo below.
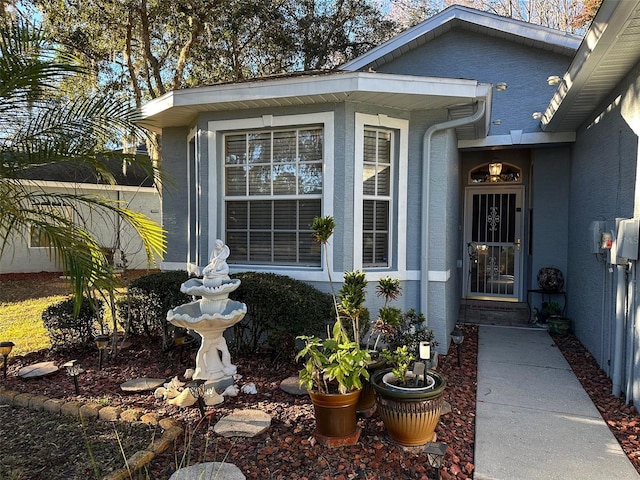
[{"x": 493, "y": 242}]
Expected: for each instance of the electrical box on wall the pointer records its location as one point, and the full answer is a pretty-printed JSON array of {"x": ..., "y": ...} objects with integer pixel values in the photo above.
[
  {"x": 627, "y": 239},
  {"x": 596, "y": 229}
]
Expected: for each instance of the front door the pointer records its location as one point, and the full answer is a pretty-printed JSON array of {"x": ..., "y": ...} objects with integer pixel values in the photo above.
[{"x": 493, "y": 235}]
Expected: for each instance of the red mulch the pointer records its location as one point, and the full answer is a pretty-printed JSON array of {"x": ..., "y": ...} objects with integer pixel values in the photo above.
[{"x": 288, "y": 449}]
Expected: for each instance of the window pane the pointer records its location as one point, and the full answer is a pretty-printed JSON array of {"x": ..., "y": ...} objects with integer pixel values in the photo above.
[
  {"x": 310, "y": 178},
  {"x": 285, "y": 249},
  {"x": 382, "y": 215},
  {"x": 284, "y": 147},
  {"x": 259, "y": 147},
  {"x": 310, "y": 145},
  {"x": 367, "y": 249},
  {"x": 381, "y": 254},
  {"x": 309, "y": 250},
  {"x": 237, "y": 242},
  {"x": 384, "y": 185},
  {"x": 384, "y": 146},
  {"x": 369, "y": 179},
  {"x": 235, "y": 149},
  {"x": 260, "y": 180},
  {"x": 369, "y": 146},
  {"x": 367, "y": 215},
  {"x": 286, "y": 217},
  {"x": 284, "y": 179},
  {"x": 260, "y": 215},
  {"x": 260, "y": 247},
  {"x": 236, "y": 181},
  {"x": 307, "y": 210},
  {"x": 237, "y": 215}
]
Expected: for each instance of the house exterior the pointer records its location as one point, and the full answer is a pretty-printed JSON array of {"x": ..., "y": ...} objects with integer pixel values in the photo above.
[
  {"x": 30, "y": 254},
  {"x": 461, "y": 157}
]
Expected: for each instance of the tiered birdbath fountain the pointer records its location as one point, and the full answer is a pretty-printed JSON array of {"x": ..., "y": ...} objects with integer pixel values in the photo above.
[{"x": 210, "y": 316}]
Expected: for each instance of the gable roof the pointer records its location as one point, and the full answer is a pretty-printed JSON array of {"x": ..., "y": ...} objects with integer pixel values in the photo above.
[
  {"x": 458, "y": 16},
  {"x": 611, "y": 48}
]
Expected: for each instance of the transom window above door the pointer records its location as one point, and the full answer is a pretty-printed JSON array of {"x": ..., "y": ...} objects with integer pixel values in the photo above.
[
  {"x": 273, "y": 190},
  {"x": 495, "y": 172}
]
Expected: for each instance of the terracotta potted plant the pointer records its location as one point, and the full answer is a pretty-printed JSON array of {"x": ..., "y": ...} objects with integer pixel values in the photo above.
[
  {"x": 335, "y": 367},
  {"x": 409, "y": 405}
]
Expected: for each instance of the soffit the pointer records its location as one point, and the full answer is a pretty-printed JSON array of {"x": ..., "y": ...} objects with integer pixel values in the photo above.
[
  {"x": 609, "y": 51},
  {"x": 402, "y": 92}
]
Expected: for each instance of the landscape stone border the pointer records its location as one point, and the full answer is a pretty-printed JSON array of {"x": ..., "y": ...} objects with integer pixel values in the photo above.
[{"x": 171, "y": 428}]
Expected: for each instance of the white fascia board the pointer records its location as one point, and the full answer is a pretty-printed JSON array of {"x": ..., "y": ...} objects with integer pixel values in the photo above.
[
  {"x": 311, "y": 85},
  {"x": 472, "y": 16},
  {"x": 88, "y": 186},
  {"x": 535, "y": 138}
]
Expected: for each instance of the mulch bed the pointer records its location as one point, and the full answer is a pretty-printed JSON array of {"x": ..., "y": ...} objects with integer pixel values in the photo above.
[{"x": 288, "y": 449}]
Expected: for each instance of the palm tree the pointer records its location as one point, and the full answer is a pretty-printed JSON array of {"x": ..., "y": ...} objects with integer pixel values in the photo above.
[{"x": 44, "y": 127}]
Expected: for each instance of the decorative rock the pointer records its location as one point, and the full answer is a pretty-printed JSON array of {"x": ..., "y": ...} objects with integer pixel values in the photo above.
[
  {"x": 53, "y": 405},
  {"x": 231, "y": 391},
  {"x": 37, "y": 370},
  {"x": 70, "y": 409},
  {"x": 131, "y": 415},
  {"x": 243, "y": 423},
  {"x": 218, "y": 470},
  {"x": 37, "y": 402},
  {"x": 211, "y": 397},
  {"x": 167, "y": 423},
  {"x": 188, "y": 373},
  {"x": 445, "y": 408},
  {"x": 109, "y": 414},
  {"x": 7, "y": 396},
  {"x": 185, "y": 399},
  {"x": 249, "y": 388},
  {"x": 142, "y": 384},
  {"x": 291, "y": 385},
  {"x": 150, "y": 418},
  {"x": 22, "y": 400},
  {"x": 90, "y": 410},
  {"x": 140, "y": 459}
]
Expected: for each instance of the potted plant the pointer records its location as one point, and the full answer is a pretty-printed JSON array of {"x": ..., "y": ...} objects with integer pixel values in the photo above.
[
  {"x": 335, "y": 367},
  {"x": 409, "y": 405},
  {"x": 556, "y": 323}
]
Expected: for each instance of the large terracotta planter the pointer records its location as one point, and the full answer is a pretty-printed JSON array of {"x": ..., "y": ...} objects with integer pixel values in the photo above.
[
  {"x": 367, "y": 399},
  {"x": 410, "y": 418},
  {"x": 559, "y": 325},
  {"x": 335, "y": 413}
]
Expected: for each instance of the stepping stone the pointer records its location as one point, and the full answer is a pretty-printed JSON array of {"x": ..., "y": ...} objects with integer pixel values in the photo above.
[
  {"x": 217, "y": 470},
  {"x": 243, "y": 423},
  {"x": 38, "y": 370},
  {"x": 143, "y": 384},
  {"x": 290, "y": 385}
]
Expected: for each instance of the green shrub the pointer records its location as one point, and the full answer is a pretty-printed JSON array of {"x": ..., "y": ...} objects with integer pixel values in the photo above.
[
  {"x": 410, "y": 332},
  {"x": 149, "y": 298},
  {"x": 279, "y": 309},
  {"x": 66, "y": 331}
]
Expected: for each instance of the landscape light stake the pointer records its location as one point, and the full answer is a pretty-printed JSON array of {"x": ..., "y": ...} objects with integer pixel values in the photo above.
[
  {"x": 5, "y": 350},
  {"x": 101, "y": 342},
  {"x": 435, "y": 455},
  {"x": 196, "y": 388},
  {"x": 73, "y": 370},
  {"x": 458, "y": 337}
]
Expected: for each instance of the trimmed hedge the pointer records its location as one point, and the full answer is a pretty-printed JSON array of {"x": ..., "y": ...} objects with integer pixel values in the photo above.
[
  {"x": 149, "y": 298},
  {"x": 65, "y": 330},
  {"x": 279, "y": 308}
]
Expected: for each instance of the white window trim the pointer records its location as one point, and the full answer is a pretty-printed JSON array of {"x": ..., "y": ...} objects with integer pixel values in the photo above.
[
  {"x": 192, "y": 263},
  {"x": 216, "y": 128},
  {"x": 398, "y": 251}
]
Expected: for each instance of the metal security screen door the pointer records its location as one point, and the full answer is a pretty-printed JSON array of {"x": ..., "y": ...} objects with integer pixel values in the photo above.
[{"x": 493, "y": 241}]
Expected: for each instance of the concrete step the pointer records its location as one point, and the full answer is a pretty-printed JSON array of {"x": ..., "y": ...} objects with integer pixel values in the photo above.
[{"x": 490, "y": 312}]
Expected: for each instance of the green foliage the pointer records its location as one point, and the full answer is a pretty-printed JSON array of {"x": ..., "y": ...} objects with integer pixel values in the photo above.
[
  {"x": 352, "y": 297},
  {"x": 336, "y": 363},
  {"x": 67, "y": 330},
  {"x": 410, "y": 332},
  {"x": 149, "y": 298},
  {"x": 389, "y": 318},
  {"x": 399, "y": 359},
  {"x": 279, "y": 308}
]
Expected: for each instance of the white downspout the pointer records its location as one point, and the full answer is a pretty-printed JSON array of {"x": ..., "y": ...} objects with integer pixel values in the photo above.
[
  {"x": 426, "y": 174},
  {"x": 631, "y": 328}
]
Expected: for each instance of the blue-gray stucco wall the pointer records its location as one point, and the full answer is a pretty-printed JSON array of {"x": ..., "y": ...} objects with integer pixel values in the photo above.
[
  {"x": 460, "y": 53},
  {"x": 603, "y": 187}
]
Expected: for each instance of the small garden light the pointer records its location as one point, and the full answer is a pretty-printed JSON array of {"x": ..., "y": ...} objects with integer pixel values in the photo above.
[
  {"x": 5, "y": 350},
  {"x": 458, "y": 337},
  {"x": 73, "y": 370},
  {"x": 101, "y": 342},
  {"x": 196, "y": 388},
  {"x": 435, "y": 455}
]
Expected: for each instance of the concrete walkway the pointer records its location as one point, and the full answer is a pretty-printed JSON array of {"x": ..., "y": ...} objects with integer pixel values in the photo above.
[{"x": 533, "y": 418}]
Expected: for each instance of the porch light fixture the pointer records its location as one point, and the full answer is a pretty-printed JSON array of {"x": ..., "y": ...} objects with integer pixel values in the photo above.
[
  {"x": 553, "y": 80},
  {"x": 101, "y": 342},
  {"x": 5, "y": 350},
  {"x": 435, "y": 452},
  {"x": 536, "y": 115},
  {"x": 501, "y": 86},
  {"x": 457, "y": 336},
  {"x": 196, "y": 389},
  {"x": 73, "y": 370},
  {"x": 495, "y": 169}
]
